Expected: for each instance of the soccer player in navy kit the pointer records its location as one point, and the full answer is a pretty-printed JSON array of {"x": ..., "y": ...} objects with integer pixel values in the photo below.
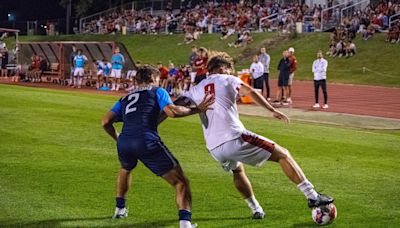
[{"x": 139, "y": 140}]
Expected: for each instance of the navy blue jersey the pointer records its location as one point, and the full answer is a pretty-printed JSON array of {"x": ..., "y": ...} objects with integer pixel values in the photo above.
[{"x": 139, "y": 111}]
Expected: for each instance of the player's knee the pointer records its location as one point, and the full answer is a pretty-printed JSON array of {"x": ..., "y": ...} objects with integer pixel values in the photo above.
[{"x": 281, "y": 153}]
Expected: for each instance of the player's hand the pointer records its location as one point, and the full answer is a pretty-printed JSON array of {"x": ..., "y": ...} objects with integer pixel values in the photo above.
[
  {"x": 205, "y": 104},
  {"x": 279, "y": 115}
]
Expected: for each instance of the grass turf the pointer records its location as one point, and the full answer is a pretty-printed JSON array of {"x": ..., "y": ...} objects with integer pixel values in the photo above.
[
  {"x": 58, "y": 168},
  {"x": 379, "y": 57}
]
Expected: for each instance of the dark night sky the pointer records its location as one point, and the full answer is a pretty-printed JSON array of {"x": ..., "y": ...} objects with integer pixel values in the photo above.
[{"x": 32, "y": 9}]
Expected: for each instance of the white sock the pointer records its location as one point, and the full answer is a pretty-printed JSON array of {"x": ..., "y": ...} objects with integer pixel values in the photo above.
[
  {"x": 253, "y": 204},
  {"x": 184, "y": 224},
  {"x": 308, "y": 189}
]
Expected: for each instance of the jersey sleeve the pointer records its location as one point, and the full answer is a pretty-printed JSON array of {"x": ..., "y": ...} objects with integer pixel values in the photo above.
[
  {"x": 235, "y": 82},
  {"x": 163, "y": 98},
  {"x": 117, "y": 109}
]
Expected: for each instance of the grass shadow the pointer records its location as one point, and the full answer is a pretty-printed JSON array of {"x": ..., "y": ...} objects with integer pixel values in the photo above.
[{"x": 58, "y": 222}]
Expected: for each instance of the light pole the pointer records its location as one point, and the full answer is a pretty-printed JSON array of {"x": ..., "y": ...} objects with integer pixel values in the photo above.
[{"x": 69, "y": 9}]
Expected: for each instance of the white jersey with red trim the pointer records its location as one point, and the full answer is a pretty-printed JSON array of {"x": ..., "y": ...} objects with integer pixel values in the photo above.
[{"x": 222, "y": 123}]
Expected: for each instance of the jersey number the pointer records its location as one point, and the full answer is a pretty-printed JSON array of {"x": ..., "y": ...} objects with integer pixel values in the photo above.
[
  {"x": 209, "y": 89},
  {"x": 134, "y": 97}
]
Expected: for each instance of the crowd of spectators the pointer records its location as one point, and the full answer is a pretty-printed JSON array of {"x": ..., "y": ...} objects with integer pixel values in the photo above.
[
  {"x": 209, "y": 16},
  {"x": 341, "y": 42}
]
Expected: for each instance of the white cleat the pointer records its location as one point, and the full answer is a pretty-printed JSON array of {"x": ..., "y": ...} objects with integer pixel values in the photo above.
[
  {"x": 120, "y": 213},
  {"x": 316, "y": 106},
  {"x": 325, "y": 106},
  {"x": 259, "y": 215}
]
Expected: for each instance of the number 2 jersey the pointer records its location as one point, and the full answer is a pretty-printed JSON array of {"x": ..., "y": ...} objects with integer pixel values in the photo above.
[
  {"x": 222, "y": 123},
  {"x": 139, "y": 111}
]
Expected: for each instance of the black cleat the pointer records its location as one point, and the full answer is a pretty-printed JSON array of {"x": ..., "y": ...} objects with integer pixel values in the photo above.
[
  {"x": 322, "y": 200},
  {"x": 258, "y": 215}
]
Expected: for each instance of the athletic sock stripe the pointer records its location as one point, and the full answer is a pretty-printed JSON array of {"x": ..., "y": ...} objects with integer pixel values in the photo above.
[{"x": 259, "y": 142}]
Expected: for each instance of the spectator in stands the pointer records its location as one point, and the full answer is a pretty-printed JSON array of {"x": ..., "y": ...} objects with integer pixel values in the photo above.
[
  {"x": 368, "y": 33},
  {"x": 227, "y": 31},
  {"x": 283, "y": 79},
  {"x": 200, "y": 65},
  {"x": 293, "y": 68},
  {"x": 171, "y": 81},
  {"x": 163, "y": 75},
  {"x": 319, "y": 69},
  {"x": 351, "y": 49},
  {"x": 265, "y": 59},
  {"x": 193, "y": 55},
  {"x": 257, "y": 71},
  {"x": 243, "y": 39},
  {"x": 393, "y": 35}
]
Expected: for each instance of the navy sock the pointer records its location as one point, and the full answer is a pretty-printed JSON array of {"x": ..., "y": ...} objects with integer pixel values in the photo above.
[
  {"x": 185, "y": 215},
  {"x": 120, "y": 202}
]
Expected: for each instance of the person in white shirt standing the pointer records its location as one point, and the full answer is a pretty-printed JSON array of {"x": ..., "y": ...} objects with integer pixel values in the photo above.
[
  {"x": 257, "y": 71},
  {"x": 319, "y": 69},
  {"x": 265, "y": 59},
  {"x": 231, "y": 144}
]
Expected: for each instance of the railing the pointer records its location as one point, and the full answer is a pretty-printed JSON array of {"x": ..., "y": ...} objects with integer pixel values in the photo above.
[
  {"x": 84, "y": 20},
  {"x": 134, "y": 5},
  {"x": 393, "y": 19},
  {"x": 349, "y": 10},
  {"x": 330, "y": 17},
  {"x": 272, "y": 17},
  {"x": 308, "y": 23}
]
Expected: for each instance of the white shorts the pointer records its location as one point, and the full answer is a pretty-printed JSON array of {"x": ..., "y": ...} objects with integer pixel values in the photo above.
[
  {"x": 100, "y": 72},
  {"x": 291, "y": 76},
  {"x": 192, "y": 76},
  {"x": 250, "y": 149},
  {"x": 79, "y": 72},
  {"x": 131, "y": 74},
  {"x": 115, "y": 73}
]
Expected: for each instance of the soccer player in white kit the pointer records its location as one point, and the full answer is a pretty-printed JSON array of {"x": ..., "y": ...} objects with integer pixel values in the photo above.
[{"x": 231, "y": 144}]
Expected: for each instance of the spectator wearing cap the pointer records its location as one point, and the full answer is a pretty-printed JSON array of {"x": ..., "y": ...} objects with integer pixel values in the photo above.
[
  {"x": 265, "y": 59},
  {"x": 319, "y": 68},
  {"x": 293, "y": 67},
  {"x": 257, "y": 71}
]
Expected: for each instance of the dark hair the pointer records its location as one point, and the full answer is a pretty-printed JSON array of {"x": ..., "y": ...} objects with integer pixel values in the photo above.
[
  {"x": 144, "y": 74},
  {"x": 216, "y": 62}
]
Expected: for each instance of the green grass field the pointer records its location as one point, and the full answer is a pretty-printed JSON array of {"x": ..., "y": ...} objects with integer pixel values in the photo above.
[
  {"x": 375, "y": 54},
  {"x": 58, "y": 169}
]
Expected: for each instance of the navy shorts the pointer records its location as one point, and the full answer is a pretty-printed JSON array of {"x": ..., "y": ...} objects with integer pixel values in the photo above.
[
  {"x": 283, "y": 81},
  {"x": 153, "y": 154}
]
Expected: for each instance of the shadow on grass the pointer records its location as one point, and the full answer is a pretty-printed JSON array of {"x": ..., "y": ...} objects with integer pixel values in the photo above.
[{"x": 109, "y": 222}]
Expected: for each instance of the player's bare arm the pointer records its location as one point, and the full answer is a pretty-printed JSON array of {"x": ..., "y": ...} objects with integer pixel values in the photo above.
[
  {"x": 260, "y": 100},
  {"x": 175, "y": 111},
  {"x": 108, "y": 124}
]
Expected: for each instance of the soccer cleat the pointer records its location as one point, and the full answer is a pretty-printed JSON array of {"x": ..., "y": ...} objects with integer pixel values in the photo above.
[
  {"x": 325, "y": 106},
  {"x": 258, "y": 215},
  {"x": 322, "y": 200},
  {"x": 316, "y": 106},
  {"x": 120, "y": 213}
]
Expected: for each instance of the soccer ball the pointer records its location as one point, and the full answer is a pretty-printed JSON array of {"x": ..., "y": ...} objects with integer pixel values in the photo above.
[{"x": 323, "y": 215}]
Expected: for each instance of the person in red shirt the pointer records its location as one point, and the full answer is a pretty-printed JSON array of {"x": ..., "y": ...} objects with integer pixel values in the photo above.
[
  {"x": 200, "y": 64},
  {"x": 293, "y": 67},
  {"x": 36, "y": 69},
  {"x": 163, "y": 75}
]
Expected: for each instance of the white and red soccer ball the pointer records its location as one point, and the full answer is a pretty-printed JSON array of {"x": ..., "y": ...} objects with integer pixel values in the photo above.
[{"x": 323, "y": 215}]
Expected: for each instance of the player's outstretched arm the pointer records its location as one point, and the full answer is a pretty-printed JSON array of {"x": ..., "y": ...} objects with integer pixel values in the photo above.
[
  {"x": 108, "y": 124},
  {"x": 175, "y": 111},
  {"x": 260, "y": 100}
]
